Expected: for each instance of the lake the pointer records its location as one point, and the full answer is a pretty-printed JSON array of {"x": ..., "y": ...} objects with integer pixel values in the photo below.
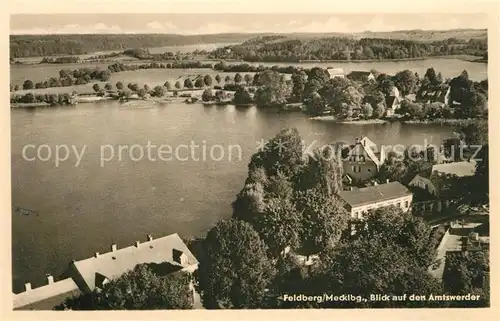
[{"x": 83, "y": 209}]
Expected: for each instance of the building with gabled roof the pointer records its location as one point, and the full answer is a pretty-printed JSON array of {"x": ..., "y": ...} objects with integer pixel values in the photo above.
[
  {"x": 361, "y": 76},
  {"x": 169, "y": 252},
  {"x": 359, "y": 201},
  {"x": 45, "y": 297},
  {"x": 336, "y": 72},
  {"x": 433, "y": 188},
  {"x": 362, "y": 160},
  {"x": 166, "y": 255}
]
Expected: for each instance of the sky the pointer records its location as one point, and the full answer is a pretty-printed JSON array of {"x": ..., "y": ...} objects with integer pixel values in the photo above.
[{"x": 189, "y": 24}]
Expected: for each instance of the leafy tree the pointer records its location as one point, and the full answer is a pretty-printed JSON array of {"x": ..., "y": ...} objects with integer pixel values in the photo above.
[
  {"x": 365, "y": 264},
  {"x": 366, "y": 110},
  {"x": 248, "y": 79},
  {"x": 256, "y": 81},
  {"x": 414, "y": 110},
  {"x": 158, "y": 91},
  {"x": 138, "y": 289},
  {"x": 430, "y": 74},
  {"x": 479, "y": 185},
  {"x": 299, "y": 83},
  {"x": 316, "y": 79},
  {"x": 237, "y": 78},
  {"x": 108, "y": 86},
  {"x": 406, "y": 82},
  {"x": 475, "y": 133},
  {"x": 147, "y": 88},
  {"x": 119, "y": 85},
  {"x": 279, "y": 226},
  {"x": 207, "y": 95},
  {"x": 16, "y": 87},
  {"x": 315, "y": 104},
  {"x": 167, "y": 85},
  {"x": 242, "y": 96},
  {"x": 235, "y": 271},
  {"x": 227, "y": 79},
  {"x": 178, "y": 85},
  {"x": 324, "y": 219},
  {"x": 188, "y": 83},
  {"x": 468, "y": 272},
  {"x": 96, "y": 88},
  {"x": 408, "y": 231},
  {"x": 283, "y": 153},
  {"x": 199, "y": 83},
  {"x": 28, "y": 84},
  {"x": 218, "y": 78},
  {"x": 323, "y": 170},
  {"x": 220, "y": 95},
  {"x": 142, "y": 93},
  {"x": 375, "y": 73},
  {"x": 273, "y": 91},
  {"x": 133, "y": 87},
  {"x": 207, "y": 80},
  {"x": 379, "y": 111}
]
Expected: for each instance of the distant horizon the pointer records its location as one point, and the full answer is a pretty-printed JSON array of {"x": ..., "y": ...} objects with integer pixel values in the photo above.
[
  {"x": 248, "y": 33},
  {"x": 213, "y": 24}
]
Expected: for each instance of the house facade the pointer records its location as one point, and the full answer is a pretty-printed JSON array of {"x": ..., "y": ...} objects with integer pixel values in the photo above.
[
  {"x": 359, "y": 201},
  {"x": 361, "y": 161}
]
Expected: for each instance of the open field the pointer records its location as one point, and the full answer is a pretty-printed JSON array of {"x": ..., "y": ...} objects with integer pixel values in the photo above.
[{"x": 151, "y": 77}]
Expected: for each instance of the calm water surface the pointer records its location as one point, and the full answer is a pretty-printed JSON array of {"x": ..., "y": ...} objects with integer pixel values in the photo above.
[{"x": 84, "y": 209}]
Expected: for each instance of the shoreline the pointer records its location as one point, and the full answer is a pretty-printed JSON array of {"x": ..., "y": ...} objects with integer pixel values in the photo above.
[
  {"x": 355, "y": 122},
  {"x": 440, "y": 121}
]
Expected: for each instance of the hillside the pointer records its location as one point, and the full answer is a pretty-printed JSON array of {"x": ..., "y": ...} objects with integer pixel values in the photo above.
[
  {"x": 380, "y": 46},
  {"x": 48, "y": 45}
]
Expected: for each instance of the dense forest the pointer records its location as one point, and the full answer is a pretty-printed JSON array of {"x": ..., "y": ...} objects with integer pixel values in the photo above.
[
  {"x": 342, "y": 48},
  {"x": 47, "y": 45}
]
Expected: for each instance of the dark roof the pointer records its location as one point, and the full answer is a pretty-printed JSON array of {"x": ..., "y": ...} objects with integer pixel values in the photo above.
[
  {"x": 389, "y": 100},
  {"x": 358, "y": 75},
  {"x": 373, "y": 194}
]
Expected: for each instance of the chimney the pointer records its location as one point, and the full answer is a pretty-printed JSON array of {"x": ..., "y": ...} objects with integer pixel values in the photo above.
[
  {"x": 150, "y": 237},
  {"x": 137, "y": 243},
  {"x": 50, "y": 279},
  {"x": 96, "y": 254},
  {"x": 113, "y": 247},
  {"x": 27, "y": 286}
]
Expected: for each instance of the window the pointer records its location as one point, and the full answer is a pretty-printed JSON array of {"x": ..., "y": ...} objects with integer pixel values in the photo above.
[
  {"x": 354, "y": 169},
  {"x": 369, "y": 170},
  {"x": 361, "y": 158},
  {"x": 399, "y": 204},
  {"x": 406, "y": 204}
]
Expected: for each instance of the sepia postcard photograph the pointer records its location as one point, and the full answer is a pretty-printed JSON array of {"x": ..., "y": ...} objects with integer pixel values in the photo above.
[{"x": 207, "y": 161}]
